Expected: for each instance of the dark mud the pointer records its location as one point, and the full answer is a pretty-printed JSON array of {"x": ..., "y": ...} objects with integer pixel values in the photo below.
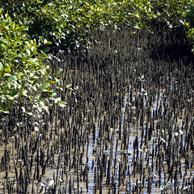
[{"x": 127, "y": 127}]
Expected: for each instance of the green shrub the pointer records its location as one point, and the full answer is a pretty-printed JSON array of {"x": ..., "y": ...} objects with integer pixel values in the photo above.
[
  {"x": 189, "y": 23},
  {"x": 67, "y": 22},
  {"x": 24, "y": 77}
]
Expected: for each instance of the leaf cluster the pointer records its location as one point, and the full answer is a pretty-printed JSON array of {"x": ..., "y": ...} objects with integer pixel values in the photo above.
[{"x": 24, "y": 77}]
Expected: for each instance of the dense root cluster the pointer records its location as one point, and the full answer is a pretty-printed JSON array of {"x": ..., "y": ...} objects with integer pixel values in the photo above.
[{"x": 127, "y": 127}]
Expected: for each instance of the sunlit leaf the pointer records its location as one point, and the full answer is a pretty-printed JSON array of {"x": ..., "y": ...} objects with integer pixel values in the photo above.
[
  {"x": 4, "y": 111},
  {"x": 68, "y": 86},
  {"x": 11, "y": 79},
  {"x": 46, "y": 85},
  {"x": 1, "y": 66},
  {"x": 4, "y": 40},
  {"x": 48, "y": 42},
  {"x": 59, "y": 71},
  {"x": 24, "y": 93},
  {"x": 29, "y": 113},
  {"x": 3, "y": 46},
  {"x": 38, "y": 96},
  {"x": 23, "y": 109},
  {"x": 57, "y": 100},
  {"x": 63, "y": 102},
  {"x": 62, "y": 105},
  {"x": 54, "y": 94},
  {"x": 28, "y": 51},
  {"x": 52, "y": 81}
]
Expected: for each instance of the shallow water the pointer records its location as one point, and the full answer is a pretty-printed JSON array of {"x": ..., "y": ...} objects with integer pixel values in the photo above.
[{"x": 94, "y": 147}]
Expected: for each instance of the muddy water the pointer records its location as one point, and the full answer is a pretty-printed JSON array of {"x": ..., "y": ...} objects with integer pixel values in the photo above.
[{"x": 94, "y": 147}]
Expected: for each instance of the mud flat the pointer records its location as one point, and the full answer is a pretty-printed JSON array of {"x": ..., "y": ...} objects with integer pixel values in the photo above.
[{"x": 128, "y": 126}]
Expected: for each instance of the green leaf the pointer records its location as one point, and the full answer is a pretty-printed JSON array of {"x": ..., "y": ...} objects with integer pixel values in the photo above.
[
  {"x": 52, "y": 81},
  {"x": 35, "y": 77},
  {"x": 45, "y": 107},
  {"x": 7, "y": 104},
  {"x": 57, "y": 100},
  {"x": 4, "y": 40},
  {"x": 14, "y": 92},
  {"x": 48, "y": 42},
  {"x": 23, "y": 83},
  {"x": 53, "y": 94},
  {"x": 62, "y": 102},
  {"x": 25, "y": 28},
  {"x": 46, "y": 85},
  {"x": 28, "y": 51},
  {"x": 3, "y": 46},
  {"x": 10, "y": 97},
  {"x": 46, "y": 49},
  {"x": 29, "y": 113},
  {"x": 11, "y": 79},
  {"x": 35, "y": 82},
  {"x": 50, "y": 90},
  {"x": 21, "y": 74},
  {"x": 69, "y": 85},
  {"x": 45, "y": 40},
  {"x": 59, "y": 71},
  {"x": 1, "y": 66},
  {"x": 38, "y": 96},
  {"x": 41, "y": 38},
  {"x": 24, "y": 93},
  {"x": 4, "y": 111},
  {"x": 7, "y": 74},
  {"x": 62, "y": 105}
]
